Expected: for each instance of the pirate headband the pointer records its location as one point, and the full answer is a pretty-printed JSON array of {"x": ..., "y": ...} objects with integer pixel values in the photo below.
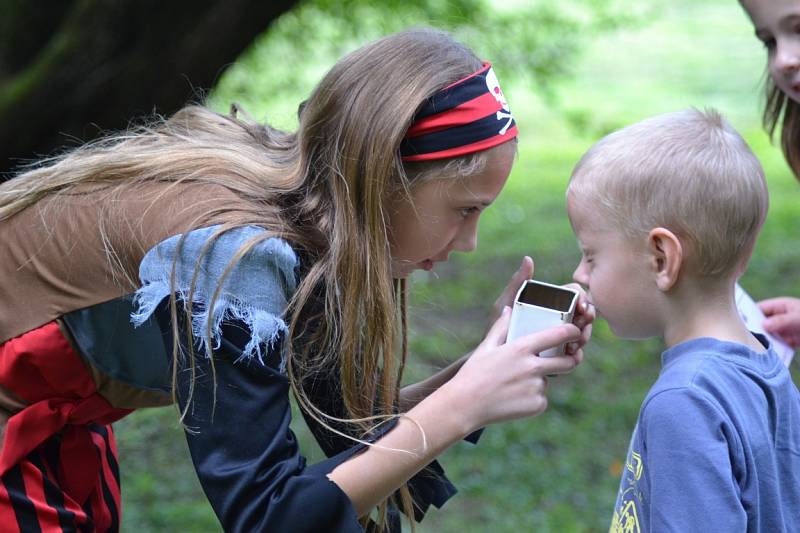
[{"x": 466, "y": 117}]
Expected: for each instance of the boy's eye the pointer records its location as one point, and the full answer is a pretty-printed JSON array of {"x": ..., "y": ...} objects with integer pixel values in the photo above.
[
  {"x": 769, "y": 44},
  {"x": 467, "y": 211}
]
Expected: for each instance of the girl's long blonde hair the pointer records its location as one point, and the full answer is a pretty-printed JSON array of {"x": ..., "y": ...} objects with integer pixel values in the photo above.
[{"x": 323, "y": 188}]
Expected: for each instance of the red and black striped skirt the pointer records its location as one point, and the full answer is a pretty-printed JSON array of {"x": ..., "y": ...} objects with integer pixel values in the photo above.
[{"x": 58, "y": 461}]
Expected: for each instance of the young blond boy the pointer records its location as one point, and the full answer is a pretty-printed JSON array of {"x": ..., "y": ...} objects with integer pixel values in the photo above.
[{"x": 666, "y": 213}]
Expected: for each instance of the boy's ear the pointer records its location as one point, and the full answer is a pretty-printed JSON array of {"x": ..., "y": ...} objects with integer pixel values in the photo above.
[{"x": 666, "y": 253}]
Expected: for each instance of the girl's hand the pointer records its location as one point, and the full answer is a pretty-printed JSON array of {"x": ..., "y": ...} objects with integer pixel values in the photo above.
[
  {"x": 584, "y": 317},
  {"x": 506, "y": 298},
  {"x": 584, "y": 311},
  {"x": 508, "y": 381},
  {"x": 783, "y": 318}
]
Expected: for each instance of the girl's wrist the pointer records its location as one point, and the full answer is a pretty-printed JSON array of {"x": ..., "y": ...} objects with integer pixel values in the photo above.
[{"x": 455, "y": 408}]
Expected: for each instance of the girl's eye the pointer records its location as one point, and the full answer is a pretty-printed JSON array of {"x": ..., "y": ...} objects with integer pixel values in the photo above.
[
  {"x": 769, "y": 44},
  {"x": 467, "y": 211}
]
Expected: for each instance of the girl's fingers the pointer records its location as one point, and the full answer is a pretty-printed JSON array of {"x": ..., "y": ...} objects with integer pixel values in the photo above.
[
  {"x": 571, "y": 348},
  {"x": 547, "y": 338},
  {"x": 497, "y": 333},
  {"x": 772, "y": 306},
  {"x": 561, "y": 364},
  {"x": 524, "y": 272},
  {"x": 586, "y": 334},
  {"x": 584, "y": 310}
]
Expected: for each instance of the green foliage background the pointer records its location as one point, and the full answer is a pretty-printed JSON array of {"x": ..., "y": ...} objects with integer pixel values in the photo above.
[{"x": 572, "y": 71}]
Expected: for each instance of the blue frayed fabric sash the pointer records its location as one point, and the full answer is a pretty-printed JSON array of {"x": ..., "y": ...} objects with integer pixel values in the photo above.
[{"x": 256, "y": 291}]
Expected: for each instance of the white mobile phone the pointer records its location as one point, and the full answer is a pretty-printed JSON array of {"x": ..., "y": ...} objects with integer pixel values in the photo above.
[{"x": 539, "y": 306}]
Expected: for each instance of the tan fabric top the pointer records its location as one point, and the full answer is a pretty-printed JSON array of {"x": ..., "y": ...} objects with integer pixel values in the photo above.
[{"x": 54, "y": 258}]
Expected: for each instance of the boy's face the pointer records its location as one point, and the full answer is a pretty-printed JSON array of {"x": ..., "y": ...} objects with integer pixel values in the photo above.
[{"x": 615, "y": 272}]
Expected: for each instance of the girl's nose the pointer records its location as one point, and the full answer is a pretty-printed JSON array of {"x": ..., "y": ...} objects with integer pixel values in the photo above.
[
  {"x": 787, "y": 58},
  {"x": 467, "y": 238}
]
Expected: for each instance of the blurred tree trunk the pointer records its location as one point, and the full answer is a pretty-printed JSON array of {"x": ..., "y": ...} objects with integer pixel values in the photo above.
[{"x": 70, "y": 69}]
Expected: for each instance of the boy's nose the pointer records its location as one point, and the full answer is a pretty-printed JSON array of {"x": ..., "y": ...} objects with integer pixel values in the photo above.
[{"x": 580, "y": 275}]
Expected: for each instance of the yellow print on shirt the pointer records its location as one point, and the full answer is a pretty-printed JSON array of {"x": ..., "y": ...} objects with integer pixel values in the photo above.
[
  {"x": 626, "y": 519},
  {"x": 634, "y": 465}
]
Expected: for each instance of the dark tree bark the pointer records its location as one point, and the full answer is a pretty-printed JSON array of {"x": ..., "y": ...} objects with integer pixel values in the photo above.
[{"x": 70, "y": 69}]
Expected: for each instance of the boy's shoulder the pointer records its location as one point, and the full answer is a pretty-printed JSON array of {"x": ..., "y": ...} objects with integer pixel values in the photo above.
[
  {"x": 687, "y": 363},
  {"x": 716, "y": 373}
]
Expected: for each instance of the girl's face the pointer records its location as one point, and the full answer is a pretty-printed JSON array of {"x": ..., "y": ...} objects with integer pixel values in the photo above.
[
  {"x": 777, "y": 25},
  {"x": 442, "y": 215}
]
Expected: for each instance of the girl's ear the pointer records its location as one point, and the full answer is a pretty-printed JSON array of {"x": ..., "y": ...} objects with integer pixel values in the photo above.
[{"x": 666, "y": 253}]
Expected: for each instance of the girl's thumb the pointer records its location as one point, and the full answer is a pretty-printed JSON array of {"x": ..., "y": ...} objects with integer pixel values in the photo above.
[{"x": 497, "y": 333}]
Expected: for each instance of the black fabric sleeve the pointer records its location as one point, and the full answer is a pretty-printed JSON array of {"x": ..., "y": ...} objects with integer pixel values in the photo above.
[
  {"x": 428, "y": 487},
  {"x": 245, "y": 455}
]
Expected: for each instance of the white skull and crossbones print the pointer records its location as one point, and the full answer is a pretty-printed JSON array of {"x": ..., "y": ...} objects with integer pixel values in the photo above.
[{"x": 494, "y": 88}]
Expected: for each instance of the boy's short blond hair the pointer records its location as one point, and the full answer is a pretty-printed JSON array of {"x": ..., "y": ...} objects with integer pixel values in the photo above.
[{"x": 687, "y": 171}]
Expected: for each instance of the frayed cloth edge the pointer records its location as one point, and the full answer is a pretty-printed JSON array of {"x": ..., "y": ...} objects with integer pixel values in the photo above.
[{"x": 265, "y": 327}]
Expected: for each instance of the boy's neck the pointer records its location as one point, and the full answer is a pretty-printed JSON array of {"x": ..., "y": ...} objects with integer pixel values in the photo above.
[{"x": 705, "y": 308}]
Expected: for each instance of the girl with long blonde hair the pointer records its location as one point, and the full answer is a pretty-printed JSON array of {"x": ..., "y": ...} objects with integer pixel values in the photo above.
[{"x": 218, "y": 263}]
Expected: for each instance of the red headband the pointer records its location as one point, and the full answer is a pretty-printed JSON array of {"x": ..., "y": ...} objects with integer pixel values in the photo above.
[{"x": 466, "y": 117}]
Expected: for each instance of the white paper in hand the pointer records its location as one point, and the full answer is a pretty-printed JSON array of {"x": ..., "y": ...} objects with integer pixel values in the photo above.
[{"x": 753, "y": 317}]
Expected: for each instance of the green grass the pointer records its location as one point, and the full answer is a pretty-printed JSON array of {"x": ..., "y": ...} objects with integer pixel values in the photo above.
[{"x": 558, "y": 472}]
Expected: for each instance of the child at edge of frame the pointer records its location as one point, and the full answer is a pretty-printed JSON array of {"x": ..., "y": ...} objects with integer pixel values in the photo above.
[{"x": 666, "y": 212}]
